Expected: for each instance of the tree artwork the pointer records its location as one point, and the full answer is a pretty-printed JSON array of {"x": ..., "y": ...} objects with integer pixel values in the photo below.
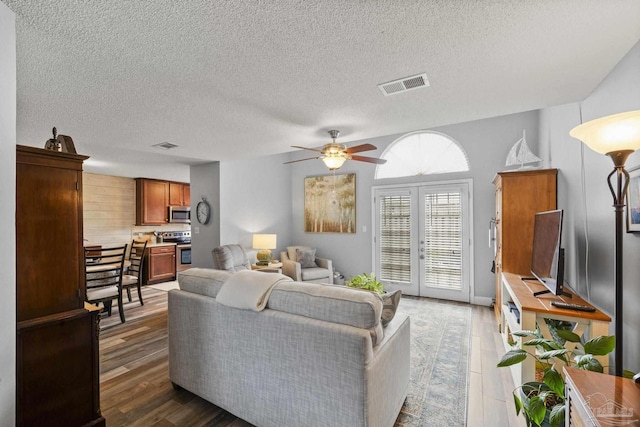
[{"x": 330, "y": 204}]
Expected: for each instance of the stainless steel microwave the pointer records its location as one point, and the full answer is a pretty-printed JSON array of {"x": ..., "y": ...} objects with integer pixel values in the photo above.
[{"x": 180, "y": 214}]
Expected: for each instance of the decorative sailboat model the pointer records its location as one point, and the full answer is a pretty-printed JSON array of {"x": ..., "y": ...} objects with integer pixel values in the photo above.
[{"x": 521, "y": 154}]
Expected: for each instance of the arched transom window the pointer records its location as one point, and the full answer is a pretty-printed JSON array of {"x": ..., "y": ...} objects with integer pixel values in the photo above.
[{"x": 422, "y": 153}]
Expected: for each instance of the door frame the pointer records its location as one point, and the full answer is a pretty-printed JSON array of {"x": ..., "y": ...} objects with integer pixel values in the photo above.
[{"x": 463, "y": 181}]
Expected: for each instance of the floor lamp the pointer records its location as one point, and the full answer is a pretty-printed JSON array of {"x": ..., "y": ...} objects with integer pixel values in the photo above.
[{"x": 616, "y": 136}]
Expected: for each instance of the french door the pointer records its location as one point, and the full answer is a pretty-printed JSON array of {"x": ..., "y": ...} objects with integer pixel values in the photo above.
[{"x": 422, "y": 239}]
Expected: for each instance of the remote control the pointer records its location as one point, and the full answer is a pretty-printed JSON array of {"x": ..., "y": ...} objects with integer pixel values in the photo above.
[{"x": 578, "y": 307}]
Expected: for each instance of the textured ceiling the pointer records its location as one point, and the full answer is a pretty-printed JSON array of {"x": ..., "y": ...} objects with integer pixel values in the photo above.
[{"x": 233, "y": 78}]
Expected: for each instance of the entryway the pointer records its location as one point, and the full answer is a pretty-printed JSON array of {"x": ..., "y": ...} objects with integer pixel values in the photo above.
[{"x": 422, "y": 239}]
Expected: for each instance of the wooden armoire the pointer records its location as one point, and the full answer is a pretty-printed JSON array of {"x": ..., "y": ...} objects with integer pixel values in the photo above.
[
  {"x": 57, "y": 333},
  {"x": 519, "y": 196}
]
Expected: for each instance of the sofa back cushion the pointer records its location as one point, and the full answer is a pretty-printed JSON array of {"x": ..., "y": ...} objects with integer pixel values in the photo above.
[
  {"x": 330, "y": 303},
  {"x": 203, "y": 281}
]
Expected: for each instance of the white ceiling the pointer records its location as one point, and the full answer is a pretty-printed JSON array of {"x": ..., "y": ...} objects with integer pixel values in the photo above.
[{"x": 228, "y": 79}]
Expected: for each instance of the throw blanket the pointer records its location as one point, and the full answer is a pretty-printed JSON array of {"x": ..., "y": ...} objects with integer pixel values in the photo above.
[{"x": 249, "y": 290}]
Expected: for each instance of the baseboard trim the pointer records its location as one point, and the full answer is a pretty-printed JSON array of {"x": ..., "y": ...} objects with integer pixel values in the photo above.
[{"x": 486, "y": 301}]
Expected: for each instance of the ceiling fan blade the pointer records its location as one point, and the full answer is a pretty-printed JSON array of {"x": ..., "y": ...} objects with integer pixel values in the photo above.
[
  {"x": 306, "y": 148},
  {"x": 301, "y": 160},
  {"x": 369, "y": 159},
  {"x": 361, "y": 148}
]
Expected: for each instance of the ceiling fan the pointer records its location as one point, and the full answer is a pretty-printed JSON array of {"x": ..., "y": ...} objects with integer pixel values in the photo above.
[{"x": 334, "y": 154}]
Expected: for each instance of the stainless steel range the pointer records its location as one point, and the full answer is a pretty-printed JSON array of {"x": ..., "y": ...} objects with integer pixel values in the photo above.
[{"x": 182, "y": 239}]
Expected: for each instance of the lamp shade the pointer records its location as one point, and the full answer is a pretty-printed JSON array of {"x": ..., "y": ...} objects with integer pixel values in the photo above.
[
  {"x": 264, "y": 241},
  {"x": 333, "y": 161},
  {"x": 611, "y": 133}
]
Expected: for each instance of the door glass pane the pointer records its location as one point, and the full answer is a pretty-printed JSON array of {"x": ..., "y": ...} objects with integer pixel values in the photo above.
[
  {"x": 443, "y": 240},
  {"x": 395, "y": 238}
]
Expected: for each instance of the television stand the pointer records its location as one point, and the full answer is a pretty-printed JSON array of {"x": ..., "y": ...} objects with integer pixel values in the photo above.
[
  {"x": 533, "y": 312},
  {"x": 547, "y": 291}
]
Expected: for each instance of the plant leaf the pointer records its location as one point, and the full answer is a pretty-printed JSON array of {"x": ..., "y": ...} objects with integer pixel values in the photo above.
[
  {"x": 556, "y": 418},
  {"x": 524, "y": 333},
  {"x": 547, "y": 344},
  {"x": 588, "y": 363},
  {"x": 537, "y": 410},
  {"x": 554, "y": 353},
  {"x": 554, "y": 381},
  {"x": 568, "y": 335},
  {"x": 518, "y": 403},
  {"x": 627, "y": 374},
  {"x": 600, "y": 346},
  {"x": 512, "y": 357}
]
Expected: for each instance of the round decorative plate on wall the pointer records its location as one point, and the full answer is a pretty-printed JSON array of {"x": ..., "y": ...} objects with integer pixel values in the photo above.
[{"x": 203, "y": 211}]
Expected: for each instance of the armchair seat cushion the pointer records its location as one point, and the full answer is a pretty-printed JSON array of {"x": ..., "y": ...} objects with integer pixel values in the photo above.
[{"x": 314, "y": 273}]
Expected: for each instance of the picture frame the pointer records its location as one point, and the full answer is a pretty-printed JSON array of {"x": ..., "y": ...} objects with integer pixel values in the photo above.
[
  {"x": 330, "y": 203},
  {"x": 633, "y": 201}
]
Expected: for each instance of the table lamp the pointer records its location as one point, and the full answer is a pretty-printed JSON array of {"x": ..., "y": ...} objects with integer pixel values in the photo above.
[
  {"x": 264, "y": 242},
  {"x": 616, "y": 136}
]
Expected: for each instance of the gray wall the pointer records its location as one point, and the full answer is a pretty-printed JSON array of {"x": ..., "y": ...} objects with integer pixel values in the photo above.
[
  {"x": 589, "y": 216},
  {"x": 486, "y": 143},
  {"x": 7, "y": 210},
  {"x": 247, "y": 196},
  {"x": 205, "y": 182}
]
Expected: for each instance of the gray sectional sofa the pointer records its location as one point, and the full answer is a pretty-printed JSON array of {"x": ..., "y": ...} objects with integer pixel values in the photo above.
[{"x": 316, "y": 356}]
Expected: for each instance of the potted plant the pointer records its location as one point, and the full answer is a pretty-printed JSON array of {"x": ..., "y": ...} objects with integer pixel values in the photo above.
[
  {"x": 366, "y": 281},
  {"x": 543, "y": 404}
]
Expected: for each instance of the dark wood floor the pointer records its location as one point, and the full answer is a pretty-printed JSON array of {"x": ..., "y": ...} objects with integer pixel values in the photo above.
[{"x": 136, "y": 391}]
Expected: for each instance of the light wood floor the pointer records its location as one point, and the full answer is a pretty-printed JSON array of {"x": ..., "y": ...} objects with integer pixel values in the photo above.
[{"x": 136, "y": 391}]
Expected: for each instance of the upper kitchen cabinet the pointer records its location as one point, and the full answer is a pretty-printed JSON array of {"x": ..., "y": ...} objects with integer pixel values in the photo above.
[
  {"x": 153, "y": 198},
  {"x": 152, "y": 201},
  {"x": 179, "y": 194}
]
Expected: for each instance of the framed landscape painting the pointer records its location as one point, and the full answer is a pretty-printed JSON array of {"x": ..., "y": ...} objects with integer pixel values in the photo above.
[
  {"x": 633, "y": 201},
  {"x": 330, "y": 204}
]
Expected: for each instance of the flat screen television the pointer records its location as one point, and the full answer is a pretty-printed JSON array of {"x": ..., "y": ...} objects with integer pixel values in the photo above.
[{"x": 547, "y": 257}]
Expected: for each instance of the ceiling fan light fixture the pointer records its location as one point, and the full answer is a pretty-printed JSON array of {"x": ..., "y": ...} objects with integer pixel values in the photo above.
[{"x": 334, "y": 160}]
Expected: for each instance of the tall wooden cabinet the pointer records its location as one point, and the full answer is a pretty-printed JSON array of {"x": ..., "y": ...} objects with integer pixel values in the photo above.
[
  {"x": 519, "y": 195},
  {"x": 57, "y": 370}
]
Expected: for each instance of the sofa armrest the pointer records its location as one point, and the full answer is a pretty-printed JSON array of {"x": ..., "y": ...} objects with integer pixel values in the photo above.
[
  {"x": 291, "y": 269},
  {"x": 328, "y": 264}
]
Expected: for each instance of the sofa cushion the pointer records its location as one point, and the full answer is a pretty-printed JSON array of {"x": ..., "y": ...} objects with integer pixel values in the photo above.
[
  {"x": 314, "y": 273},
  {"x": 330, "y": 303},
  {"x": 306, "y": 258},
  {"x": 390, "y": 301},
  {"x": 203, "y": 281},
  {"x": 291, "y": 251}
]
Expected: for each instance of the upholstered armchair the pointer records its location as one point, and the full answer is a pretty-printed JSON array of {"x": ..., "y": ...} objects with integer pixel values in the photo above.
[
  {"x": 230, "y": 258},
  {"x": 301, "y": 264}
]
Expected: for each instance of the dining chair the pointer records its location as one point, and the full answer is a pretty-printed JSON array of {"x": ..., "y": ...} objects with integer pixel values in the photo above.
[
  {"x": 133, "y": 276},
  {"x": 103, "y": 275}
]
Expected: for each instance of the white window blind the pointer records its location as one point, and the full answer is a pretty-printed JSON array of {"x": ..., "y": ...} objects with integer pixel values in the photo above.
[
  {"x": 395, "y": 238},
  {"x": 443, "y": 240}
]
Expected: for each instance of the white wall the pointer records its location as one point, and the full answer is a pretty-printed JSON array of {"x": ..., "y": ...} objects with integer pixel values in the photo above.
[
  {"x": 486, "y": 142},
  {"x": 618, "y": 92},
  {"x": 7, "y": 210}
]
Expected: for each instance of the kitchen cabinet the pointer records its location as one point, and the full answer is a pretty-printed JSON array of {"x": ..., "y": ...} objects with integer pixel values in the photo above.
[
  {"x": 57, "y": 354},
  {"x": 519, "y": 195},
  {"x": 153, "y": 198},
  {"x": 160, "y": 265},
  {"x": 179, "y": 194}
]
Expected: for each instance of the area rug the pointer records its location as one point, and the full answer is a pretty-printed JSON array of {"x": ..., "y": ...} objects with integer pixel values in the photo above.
[
  {"x": 165, "y": 286},
  {"x": 440, "y": 343}
]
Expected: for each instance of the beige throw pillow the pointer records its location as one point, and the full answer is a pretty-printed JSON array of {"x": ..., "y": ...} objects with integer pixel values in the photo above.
[{"x": 390, "y": 302}]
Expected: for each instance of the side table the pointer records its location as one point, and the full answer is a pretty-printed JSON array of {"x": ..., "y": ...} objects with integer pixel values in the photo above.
[{"x": 274, "y": 267}]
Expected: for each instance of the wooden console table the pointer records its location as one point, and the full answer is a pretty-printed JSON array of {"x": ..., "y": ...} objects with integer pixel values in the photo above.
[
  {"x": 595, "y": 399},
  {"x": 533, "y": 311}
]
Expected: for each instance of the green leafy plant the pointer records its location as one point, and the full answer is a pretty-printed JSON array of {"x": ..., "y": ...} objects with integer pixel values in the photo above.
[
  {"x": 366, "y": 281},
  {"x": 545, "y": 401}
]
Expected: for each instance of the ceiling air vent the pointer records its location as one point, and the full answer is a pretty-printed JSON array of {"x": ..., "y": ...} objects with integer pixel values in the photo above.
[
  {"x": 165, "y": 145},
  {"x": 405, "y": 84}
]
